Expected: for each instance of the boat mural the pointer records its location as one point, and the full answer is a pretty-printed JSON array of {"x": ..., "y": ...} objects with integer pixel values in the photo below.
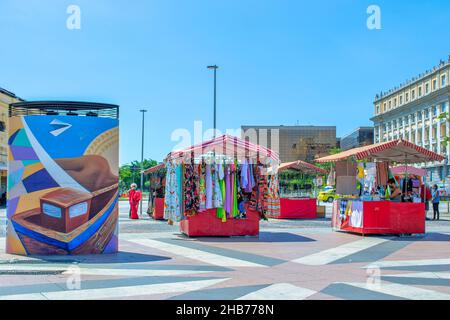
[{"x": 62, "y": 185}]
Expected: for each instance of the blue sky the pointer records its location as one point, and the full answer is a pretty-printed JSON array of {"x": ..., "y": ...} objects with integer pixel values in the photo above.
[{"x": 282, "y": 61}]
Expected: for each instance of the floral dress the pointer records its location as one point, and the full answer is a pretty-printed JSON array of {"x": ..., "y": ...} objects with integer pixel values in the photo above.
[{"x": 172, "y": 208}]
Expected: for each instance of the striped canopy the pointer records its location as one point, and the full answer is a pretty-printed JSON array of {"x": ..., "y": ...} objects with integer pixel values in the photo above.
[
  {"x": 392, "y": 151},
  {"x": 402, "y": 170},
  {"x": 155, "y": 168},
  {"x": 227, "y": 147},
  {"x": 302, "y": 166}
]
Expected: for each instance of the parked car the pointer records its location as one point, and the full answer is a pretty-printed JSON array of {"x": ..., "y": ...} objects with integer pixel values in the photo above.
[{"x": 328, "y": 194}]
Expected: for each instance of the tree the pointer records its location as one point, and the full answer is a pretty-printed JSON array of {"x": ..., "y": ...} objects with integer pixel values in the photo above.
[{"x": 131, "y": 173}]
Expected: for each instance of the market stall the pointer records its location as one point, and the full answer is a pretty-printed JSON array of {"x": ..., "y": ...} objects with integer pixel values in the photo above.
[
  {"x": 156, "y": 191},
  {"x": 298, "y": 205},
  {"x": 221, "y": 187},
  {"x": 371, "y": 198}
]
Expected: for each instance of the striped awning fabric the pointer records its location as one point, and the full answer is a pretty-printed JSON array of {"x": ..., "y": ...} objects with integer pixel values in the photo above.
[
  {"x": 301, "y": 166},
  {"x": 393, "y": 151},
  {"x": 154, "y": 169},
  {"x": 228, "y": 146}
]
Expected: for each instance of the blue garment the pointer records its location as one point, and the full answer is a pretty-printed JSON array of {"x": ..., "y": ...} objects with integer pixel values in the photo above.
[{"x": 436, "y": 196}]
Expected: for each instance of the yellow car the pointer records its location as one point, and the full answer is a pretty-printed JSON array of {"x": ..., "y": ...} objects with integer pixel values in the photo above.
[{"x": 327, "y": 195}]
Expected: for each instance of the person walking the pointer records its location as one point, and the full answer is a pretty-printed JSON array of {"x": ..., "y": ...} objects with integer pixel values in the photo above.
[
  {"x": 425, "y": 194},
  {"x": 134, "y": 197},
  {"x": 435, "y": 199}
]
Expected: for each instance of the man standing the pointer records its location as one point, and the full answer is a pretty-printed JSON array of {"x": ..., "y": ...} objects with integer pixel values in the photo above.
[{"x": 436, "y": 199}]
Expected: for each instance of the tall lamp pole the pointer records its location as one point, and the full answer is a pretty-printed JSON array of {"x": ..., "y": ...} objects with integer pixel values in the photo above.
[
  {"x": 142, "y": 157},
  {"x": 214, "y": 67}
]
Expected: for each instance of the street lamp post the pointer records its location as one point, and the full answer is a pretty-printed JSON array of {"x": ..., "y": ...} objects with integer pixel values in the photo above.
[
  {"x": 142, "y": 157},
  {"x": 214, "y": 67}
]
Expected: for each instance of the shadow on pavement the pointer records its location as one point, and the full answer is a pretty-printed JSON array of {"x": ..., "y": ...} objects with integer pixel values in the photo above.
[
  {"x": 120, "y": 257},
  {"x": 264, "y": 236}
]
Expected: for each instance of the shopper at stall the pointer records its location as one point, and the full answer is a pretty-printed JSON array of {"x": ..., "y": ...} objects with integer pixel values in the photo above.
[
  {"x": 395, "y": 192},
  {"x": 134, "y": 197},
  {"x": 425, "y": 194},
  {"x": 436, "y": 199}
]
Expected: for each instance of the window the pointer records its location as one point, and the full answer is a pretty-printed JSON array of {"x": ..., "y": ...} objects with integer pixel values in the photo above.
[
  {"x": 378, "y": 109},
  {"x": 78, "y": 210},
  {"x": 407, "y": 97},
  {"x": 419, "y": 116},
  {"x": 427, "y": 88},
  {"x": 443, "y": 80},
  {"x": 2, "y": 126},
  {"x": 434, "y": 111},
  {"x": 413, "y": 94},
  {"x": 427, "y": 113},
  {"x": 401, "y": 100},
  {"x": 384, "y": 107},
  {"x": 51, "y": 210},
  {"x": 413, "y": 118},
  {"x": 434, "y": 84},
  {"x": 390, "y": 105},
  {"x": 395, "y": 102}
]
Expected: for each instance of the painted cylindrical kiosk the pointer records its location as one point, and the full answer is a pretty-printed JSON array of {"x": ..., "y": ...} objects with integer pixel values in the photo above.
[{"x": 62, "y": 178}]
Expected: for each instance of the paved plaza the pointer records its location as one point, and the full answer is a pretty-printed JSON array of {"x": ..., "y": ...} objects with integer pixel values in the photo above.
[{"x": 289, "y": 260}]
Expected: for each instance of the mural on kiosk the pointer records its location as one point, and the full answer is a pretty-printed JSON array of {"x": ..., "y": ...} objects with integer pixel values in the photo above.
[{"x": 62, "y": 185}]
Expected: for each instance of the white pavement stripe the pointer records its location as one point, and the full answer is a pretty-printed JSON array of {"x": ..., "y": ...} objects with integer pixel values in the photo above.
[
  {"x": 100, "y": 271},
  {"x": 279, "y": 291},
  {"x": 402, "y": 291},
  {"x": 334, "y": 254},
  {"x": 2, "y": 244},
  {"x": 25, "y": 296},
  {"x": 122, "y": 292},
  {"x": 409, "y": 263},
  {"x": 195, "y": 254},
  {"x": 422, "y": 275}
]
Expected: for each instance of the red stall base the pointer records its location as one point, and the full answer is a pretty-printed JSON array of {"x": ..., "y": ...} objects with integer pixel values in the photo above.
[
  {"x": 386, "y": 217},
  {"x": 206, "y": 224},
  {"x": 158, "y": 210},
  {"x": 297, "y": 209}
]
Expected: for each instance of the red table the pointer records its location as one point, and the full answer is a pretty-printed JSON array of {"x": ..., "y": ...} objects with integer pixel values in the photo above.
[
  {"x": 158, "y": 209},
  {"x": 386, "y": 217},
  {"x": 297, "y": 209},
  {"x": 206, "y": 224}
]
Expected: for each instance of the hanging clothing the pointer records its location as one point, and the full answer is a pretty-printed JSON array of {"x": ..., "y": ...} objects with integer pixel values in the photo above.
[
  {"x": 273, "y": 196},
  {"x": 209, "y": 187},
  {"x": 221, "y": 212},
  {"x": 172, "y": 208},
  {"x": 201, "y": 187},
  {"x": 217, "y": 192},
  {"x": 191, "y": 195},
  {"x": 234, "y": 174},
  {"x": 228, "y": 191},
  {"x": 244, "y": 174}
]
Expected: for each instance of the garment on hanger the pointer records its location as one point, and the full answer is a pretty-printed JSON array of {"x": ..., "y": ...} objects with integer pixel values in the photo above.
[
  {"x": 191, "y": 200},
  {"x": 172, "y": 209},
  {"x": 209, "y": 187},
  {"x": 201, "y": 186}
]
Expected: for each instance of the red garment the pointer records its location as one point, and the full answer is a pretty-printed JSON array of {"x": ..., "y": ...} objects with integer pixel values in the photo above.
[
  {"x": 425, "y": 193},
  {"x": 134, "y": 196}
]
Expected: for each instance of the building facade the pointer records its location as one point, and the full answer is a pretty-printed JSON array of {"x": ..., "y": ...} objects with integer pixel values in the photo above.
[
  {"x": 6, "y": 98},
  {"x": 362, "y": 136},
  {"x": 294, "y": 142},
  {"x": 411, "y": 112}
]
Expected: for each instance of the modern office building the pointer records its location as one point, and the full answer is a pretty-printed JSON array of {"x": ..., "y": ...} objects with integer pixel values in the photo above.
[
  {"x": 6, "y": 98},
  {"x": 294, "y": 142},
  {"x": 411, "y": 112},
  {"x": 360, "y": 137}
]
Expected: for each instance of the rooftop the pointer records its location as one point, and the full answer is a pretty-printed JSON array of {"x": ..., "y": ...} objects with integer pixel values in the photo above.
[{"x": 384, "y": 94}]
